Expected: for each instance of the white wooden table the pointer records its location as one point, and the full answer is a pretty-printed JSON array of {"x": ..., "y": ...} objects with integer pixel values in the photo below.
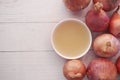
[{"x": 25, "y": 48}]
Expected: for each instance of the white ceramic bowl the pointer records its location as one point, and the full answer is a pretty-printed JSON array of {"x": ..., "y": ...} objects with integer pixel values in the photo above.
[{"x": 89, "y": 34}]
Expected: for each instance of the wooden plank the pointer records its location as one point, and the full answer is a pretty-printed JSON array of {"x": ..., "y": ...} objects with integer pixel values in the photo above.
[
  {"x": 37, "y": 11},
  {"x": 31, "y": 66},
  {"x": 25, "y": 36},
  {"x": 36, "y": 65}
]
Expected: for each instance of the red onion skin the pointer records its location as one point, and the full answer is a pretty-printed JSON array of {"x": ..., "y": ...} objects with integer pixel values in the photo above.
[
  {"x": 115, "y": 23},
  {"x": 108, "y": 5},
  {"x": 74, "y": 70},
  {"x": 76, "y": 5},
  {"x": 106, "y": 45},
  {"x": 97, "y": 20},
  {"x": 101, "y": 69},
  {"x": 118, "y": 64}
]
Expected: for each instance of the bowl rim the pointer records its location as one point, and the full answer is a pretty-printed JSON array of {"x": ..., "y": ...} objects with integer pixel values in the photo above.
[{"x": 89, "y": 32}]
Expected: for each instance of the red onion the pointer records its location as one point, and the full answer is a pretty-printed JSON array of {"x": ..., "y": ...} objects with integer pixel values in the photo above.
[
  {"x": 118, "y": 64},
  {"x": 76, "y": 5},
  {"x": 74, "y": 70},
  {"x": 97, "y": 19},
  {"x": 115, "y": 23},
  {"x": 108, "y": 5},
  {"x": 106, "y": 45},
  {"x": 101, "y": 69}
]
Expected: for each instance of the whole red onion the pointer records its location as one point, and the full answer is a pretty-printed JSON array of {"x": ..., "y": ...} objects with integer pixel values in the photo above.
[
  {"x": 118, "y": 64},
  {"x": 101, "y": 69},
  {"x": 74, "y": 70},
  {"x": 108, "y": 5},
  {"x": 97, "y": 19},
  {"x": 76, "y": 5},
  {"x": 106, "y": 45},
  {"x": 115, "y": 23}
]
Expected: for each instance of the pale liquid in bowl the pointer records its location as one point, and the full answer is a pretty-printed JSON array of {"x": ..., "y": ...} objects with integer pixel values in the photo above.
[{"x": 71, "y": 38}]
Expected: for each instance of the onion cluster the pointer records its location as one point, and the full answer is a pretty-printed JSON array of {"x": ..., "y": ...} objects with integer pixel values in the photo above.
[
  {"x": 98, "y": 69},
  {"x": 105, "y": 45}
]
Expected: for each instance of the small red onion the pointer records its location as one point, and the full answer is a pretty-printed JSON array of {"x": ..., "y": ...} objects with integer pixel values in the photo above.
[
  {"x": 118, "y": 64},
  {"x": 76, "y": 5},
  {"x": 97, "y": 19},
  {"x": 108, "y": 5},
  {"x": 115, "y": 23},
  {"x": 101, "y": 69},
  {"x": 74, "y": 70},
  {"x": 106, "y": 45}
]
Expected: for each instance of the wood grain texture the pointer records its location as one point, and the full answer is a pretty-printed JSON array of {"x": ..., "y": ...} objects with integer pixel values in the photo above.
[
  {"x": 36, "y": 65},
  {"x": 30, "y": 66},
  {"x": 25, "y": 48},
  {"x": 25, "y": 36},
  {"x": 36, "y": 11}
]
